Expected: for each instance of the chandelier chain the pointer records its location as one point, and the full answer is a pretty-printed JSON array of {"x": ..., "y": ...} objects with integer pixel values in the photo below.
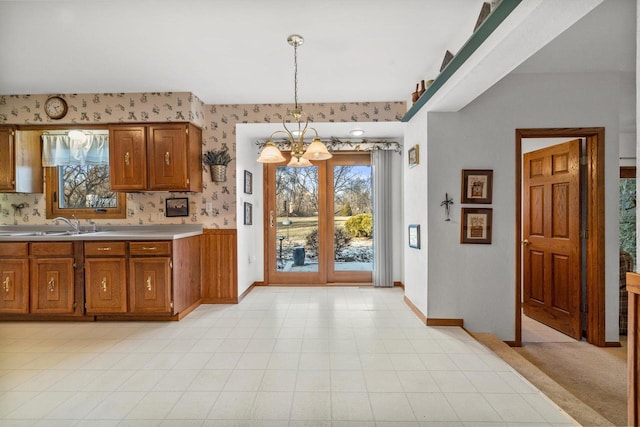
[{"x": 295, "y": 74}]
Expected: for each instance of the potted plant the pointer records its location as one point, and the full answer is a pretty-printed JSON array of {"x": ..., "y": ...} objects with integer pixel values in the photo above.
[{"x": 217, "y": 160}]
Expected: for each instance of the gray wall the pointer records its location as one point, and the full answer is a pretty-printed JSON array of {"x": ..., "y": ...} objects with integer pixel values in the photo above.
[{"x": 476, "y": 282}]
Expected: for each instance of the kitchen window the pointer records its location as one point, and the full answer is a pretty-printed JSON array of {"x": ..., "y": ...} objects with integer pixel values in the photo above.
[{"x": 77, "y": 175}]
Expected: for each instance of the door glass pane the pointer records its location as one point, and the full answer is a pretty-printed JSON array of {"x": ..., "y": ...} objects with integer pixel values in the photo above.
[
  {"x": 353, "y": 218},
  {"x": 296, "y": 219}
]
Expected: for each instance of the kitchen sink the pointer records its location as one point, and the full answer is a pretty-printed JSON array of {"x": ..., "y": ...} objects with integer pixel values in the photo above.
[{"x": 44, "y": 233}]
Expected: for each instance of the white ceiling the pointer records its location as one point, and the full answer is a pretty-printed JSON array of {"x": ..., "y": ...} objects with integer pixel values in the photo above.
[
  {"x": 235, "y": 51},
  {"x": 230, "y": 51}
]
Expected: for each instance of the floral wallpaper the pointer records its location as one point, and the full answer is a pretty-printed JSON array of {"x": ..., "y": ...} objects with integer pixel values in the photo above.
[{"x": 218, "y": 125}]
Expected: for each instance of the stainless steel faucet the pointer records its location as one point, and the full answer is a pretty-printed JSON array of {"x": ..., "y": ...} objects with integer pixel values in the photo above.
[{"x": 75, "y": 224}]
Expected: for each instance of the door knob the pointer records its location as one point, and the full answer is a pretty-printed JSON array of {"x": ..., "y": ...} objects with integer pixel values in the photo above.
[{"x": 526, "y": 242}]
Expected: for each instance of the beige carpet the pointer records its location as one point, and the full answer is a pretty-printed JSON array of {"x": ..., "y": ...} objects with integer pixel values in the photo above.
[
  {"x": 589, "y": 383},
  {"x": 596, "y": 376}
]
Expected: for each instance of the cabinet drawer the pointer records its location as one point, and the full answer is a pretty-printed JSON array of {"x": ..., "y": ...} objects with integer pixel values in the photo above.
[
  {"x": 111, "y": 249},
  {"x": 18, "y": 249},
  {"x": 52, "y": 249},
  {"x": 149, "y": 248}
]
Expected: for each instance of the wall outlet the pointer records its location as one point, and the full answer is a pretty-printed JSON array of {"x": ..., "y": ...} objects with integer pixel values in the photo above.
[{"x": 209, "y": 207}]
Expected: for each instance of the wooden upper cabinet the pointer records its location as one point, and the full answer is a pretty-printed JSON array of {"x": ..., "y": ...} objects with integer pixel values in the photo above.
[
  {"x": 167, "y": 153},
  {"x": 7, "y": 165},
  {"x": 20, "y": 161},
  {"x": 128, "y": 158},
  {"x": 159, "y": 157}
]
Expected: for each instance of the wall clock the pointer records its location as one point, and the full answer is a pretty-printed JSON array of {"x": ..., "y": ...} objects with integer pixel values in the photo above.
[{"x": 55, "y": 107}]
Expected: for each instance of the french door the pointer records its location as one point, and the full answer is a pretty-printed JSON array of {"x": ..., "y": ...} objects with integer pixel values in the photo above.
[{"x": 319, "y": 222}]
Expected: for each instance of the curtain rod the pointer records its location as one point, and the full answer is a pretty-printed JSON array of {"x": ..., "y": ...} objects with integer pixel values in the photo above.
[{"x": 65, "y": 132}]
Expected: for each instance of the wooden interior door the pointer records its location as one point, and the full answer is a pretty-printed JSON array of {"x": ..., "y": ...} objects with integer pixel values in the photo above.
[{"x": 551, "y": 237}]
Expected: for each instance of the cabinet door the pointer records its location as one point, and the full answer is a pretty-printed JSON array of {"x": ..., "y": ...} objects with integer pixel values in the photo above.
[
  {"x": 7, "y": 159},
  {"x": 106, "y": 285},
  {"x": 150, "y": 285},
  {"x": 128, "y": 158},
  {"x": 167, "y": 153},
  {"x": 14, "y": 290},
  {"x": 52, "y": 285}
]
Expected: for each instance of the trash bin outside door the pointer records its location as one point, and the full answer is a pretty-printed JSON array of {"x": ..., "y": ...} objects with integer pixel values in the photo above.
[{"x": 298, "y": 255}]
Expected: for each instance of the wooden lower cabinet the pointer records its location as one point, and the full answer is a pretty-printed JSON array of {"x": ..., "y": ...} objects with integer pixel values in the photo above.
[
  {"x": 52, "y": 286},
  {"x": 106, "y": 285},
  {"x": 92, "y": 280},
  {"x": 105, "y": 277},
  {"x": 150, "y": 285},
  {"x": 14, "y": 291}
]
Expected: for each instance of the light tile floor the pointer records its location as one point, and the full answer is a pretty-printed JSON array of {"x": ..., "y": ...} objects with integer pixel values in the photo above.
[{"x": 282, "y": 357}]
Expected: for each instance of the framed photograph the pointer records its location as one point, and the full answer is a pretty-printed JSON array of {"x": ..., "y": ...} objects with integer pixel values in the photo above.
[
  {"x": 414, "y": 156},
  {"x": 477, "y": 186},
  {"x": 248, "y": 213},
  {"x": 414, "y": 236},
  {"x": 476, "y": 225},
  {"x": 248, "y": 182},
  {"x": 177, "y": 207}
]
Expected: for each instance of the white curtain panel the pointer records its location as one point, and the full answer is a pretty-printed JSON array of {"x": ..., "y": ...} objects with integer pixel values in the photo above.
[
  {"x": 383, "y": 219},
  {"x": 60, "y": 150}
]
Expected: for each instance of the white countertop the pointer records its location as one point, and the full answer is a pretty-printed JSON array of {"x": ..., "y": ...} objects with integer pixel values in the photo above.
[{"x": 21, "y": 233}]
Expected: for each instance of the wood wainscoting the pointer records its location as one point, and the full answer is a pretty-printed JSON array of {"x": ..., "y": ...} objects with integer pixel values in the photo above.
[{"x": 219, "y": 266}]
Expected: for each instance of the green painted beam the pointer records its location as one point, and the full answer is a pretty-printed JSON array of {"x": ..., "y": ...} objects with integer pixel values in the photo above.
[{"x": 492, "y": 22}]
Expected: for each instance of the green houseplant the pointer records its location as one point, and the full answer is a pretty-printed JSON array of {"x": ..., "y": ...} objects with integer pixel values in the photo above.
[{"x": 217, "y": 160}]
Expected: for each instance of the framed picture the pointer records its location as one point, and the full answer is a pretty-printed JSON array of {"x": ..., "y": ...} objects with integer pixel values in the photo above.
[
  {"x": 177, "y": 207},
  {"x": 477, "y": 186},
  {"x": 414, "y": 236},
  {"x": 476, "y": 225},
  {"x": 248, "y": 182},
  {"x": 414, "y": 156},
  {"x": 248, "y": 213}
]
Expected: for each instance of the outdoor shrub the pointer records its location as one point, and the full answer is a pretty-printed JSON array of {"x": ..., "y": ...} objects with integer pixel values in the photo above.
[
  {"x": 346, "y": 210},
  {"x": 360, "y": 225},
  {"x": 312, "y": 242},
  {"x": 341, "y": 241}
]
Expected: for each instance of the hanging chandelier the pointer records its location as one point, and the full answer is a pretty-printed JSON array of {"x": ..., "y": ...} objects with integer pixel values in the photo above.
[{"x": 296, "y": 126}]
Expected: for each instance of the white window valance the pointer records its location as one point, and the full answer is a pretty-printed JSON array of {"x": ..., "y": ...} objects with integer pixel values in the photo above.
[
  {"x": 340, "y": 144},
  {"x": 61, "y": 150}
]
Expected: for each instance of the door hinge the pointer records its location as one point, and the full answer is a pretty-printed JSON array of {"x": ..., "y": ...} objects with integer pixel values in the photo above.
[
  {"x": 171, "y": 305},
  {"x": 170, "y": 264},
  {"x": 584, "y": 234},
  {"x": 187, "y": 130},
  {"x": 85, "y": 305},
  {"x": 583, "y": 160},
  {"x": 74, "y": 265}
]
